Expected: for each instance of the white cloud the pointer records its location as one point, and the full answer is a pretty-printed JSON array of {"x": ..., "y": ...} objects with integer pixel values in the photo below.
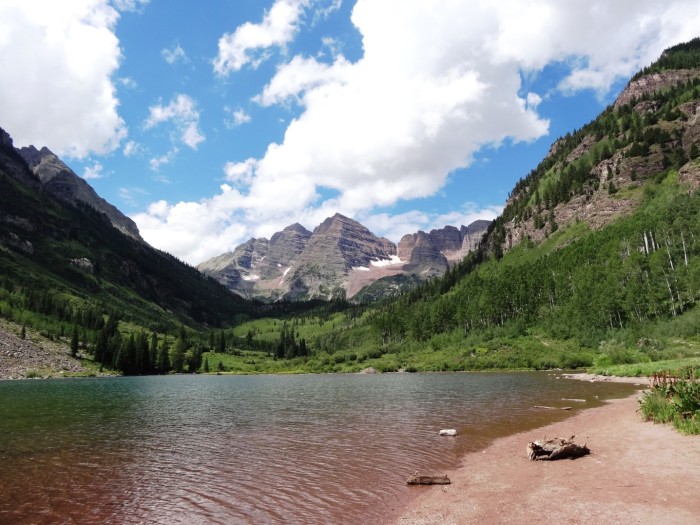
[
  {"x": 180, "y": 228},
  {"x": 156, "y": 162},
  {"x": 132, "y": 148},
  {"x": 240, "y": 172},
  {"x": 130, "y": 5},
  {"x": 182, "y": 112},
  {"x": 249, "y": 42},
  {"x": 56, "y": 89},
  {"x": 393, "y": 227},
  {"x": 433, "y": 87},
  {"x": 323, "y": 9},
  {"x": 93, "y": 172},
  {"x": 128, "y": 82},
  {"x": 236, "y": 117},
  {"x": 176, "y": 54},
  {"x": 533, "y": 100},
  {"x": 603, "y": 41}
]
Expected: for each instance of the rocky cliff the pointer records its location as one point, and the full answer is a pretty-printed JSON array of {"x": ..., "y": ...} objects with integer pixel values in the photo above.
[
  {"x": 339, "y": 258},
  {"x": 596, "y": 175},
  {"x": 62, "y": 182},
  {"x": 13, "y": 162},
  {"x": 257, "y": 268}
]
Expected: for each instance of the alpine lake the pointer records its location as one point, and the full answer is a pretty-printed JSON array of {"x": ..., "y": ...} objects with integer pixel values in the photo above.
[{"x": 201, "y": 449}]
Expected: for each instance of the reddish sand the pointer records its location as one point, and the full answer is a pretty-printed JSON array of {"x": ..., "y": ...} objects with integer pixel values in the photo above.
[{"x": 637, "y": 472}]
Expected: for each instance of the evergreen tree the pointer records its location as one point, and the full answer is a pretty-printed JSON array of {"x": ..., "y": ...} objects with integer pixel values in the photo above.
[
  {"x": 694, "y": 151},
  {"x": 163, "y": 362},
  {"x": 222, "y": 342},
  {"x": 178, "y": 356},
  {"x": 74, "y": 342},
  {"x": 153, "y": 354},
  {"x": 194, "y": 359},
  {"x": 142, "y": 361}
]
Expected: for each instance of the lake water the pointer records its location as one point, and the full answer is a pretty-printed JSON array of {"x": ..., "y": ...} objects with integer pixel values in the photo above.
[{"x": 252, "y": 449}]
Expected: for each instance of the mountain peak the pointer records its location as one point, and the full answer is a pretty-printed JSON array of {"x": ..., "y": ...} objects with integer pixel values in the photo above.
[{"x": 63, "y": 183}]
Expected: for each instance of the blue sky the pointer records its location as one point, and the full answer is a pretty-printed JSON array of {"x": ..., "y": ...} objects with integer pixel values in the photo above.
[{"x": 213, "y": 122}]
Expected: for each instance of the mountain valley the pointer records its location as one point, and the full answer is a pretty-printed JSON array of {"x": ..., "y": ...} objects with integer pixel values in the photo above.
[{"x": 593, "y": 263}]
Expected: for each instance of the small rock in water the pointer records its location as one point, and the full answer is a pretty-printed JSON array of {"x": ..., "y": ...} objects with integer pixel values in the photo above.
[{"x": 448, "y": 432}]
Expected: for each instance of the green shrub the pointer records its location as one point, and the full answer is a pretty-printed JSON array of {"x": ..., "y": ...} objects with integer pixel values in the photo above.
[
  {"x": 673, "y": 401},
  {"x": 655, "y": 407}
]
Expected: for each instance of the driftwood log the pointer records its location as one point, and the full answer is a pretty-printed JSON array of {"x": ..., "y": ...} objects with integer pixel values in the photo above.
[
  {"x": 428, "y": 480},
  {"x": 559, "y": 448}
]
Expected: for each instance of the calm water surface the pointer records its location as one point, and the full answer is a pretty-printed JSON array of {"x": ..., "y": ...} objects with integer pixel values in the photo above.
[{"x": 251, "y": 449}]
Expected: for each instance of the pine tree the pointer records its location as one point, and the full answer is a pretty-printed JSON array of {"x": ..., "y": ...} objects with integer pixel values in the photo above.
[
  {"x": 153, "y": 354},
  {"x": 163, "y": 363},
  {"x": 222, "y": 342},
  {"x": 694, "y": 151},
  {"x": 74, "y": 343},
  {"x": 178, "y": 356}
]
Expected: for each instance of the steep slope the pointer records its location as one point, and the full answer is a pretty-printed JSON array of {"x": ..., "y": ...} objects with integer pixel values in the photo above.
[
  {"x": 61, "y": 257},
  {"x": 62, "y": 182},
  {"x": 340, "y": 258},
  {"x": 595, "y": 245},
  {"x": 337, "y": 246},
  {"x": 257, "y": 268},
  {"x": 593, "y": 175}
]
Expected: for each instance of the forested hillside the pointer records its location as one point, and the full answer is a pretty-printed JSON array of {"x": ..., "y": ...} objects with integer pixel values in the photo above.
[
  {"x": 602, "y": 235},
  {"x": 65, "y": 271},
  {"x": 596, "y": 256}
]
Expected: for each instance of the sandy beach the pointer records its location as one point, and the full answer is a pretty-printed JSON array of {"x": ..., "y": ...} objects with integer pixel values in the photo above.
[{"x": 637, "y": 472}]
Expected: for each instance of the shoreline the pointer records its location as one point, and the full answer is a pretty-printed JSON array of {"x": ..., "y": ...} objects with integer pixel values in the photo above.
[{"x": 637, "y": 472}]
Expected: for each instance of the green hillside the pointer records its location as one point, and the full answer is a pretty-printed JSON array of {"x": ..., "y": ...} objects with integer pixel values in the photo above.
[
  {"x": 594, "y": 261},
  {"x": 64, "y": 268}
]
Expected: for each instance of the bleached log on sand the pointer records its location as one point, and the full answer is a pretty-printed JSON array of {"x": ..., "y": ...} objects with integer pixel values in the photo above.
[{"x": 559, "y": 448}]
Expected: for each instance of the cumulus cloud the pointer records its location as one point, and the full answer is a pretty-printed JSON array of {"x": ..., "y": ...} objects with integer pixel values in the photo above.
[
  {"x": 93, "y": 172},
  {"x": 180, "y": 228},
  {"x": 433, "y": 87},
  {"x": 176, "y": 54},
  {"x": 249, "y": 42},
  {"x": 324, "y": 9},
  {"x": 132, "y": 148},
  {"x": 183, "y": 114},
  {"x": 56, "y": 86},
  {"x": 130, "y": 5},
  {"x": 236, "y": 117},
  {"x": 128, "y": 82},
  {"x": 156, "y": 162},
  {"x": 395, "y": 226},
  {"x": 240, "y": 172},
  {"x": 602, "y": 41}
]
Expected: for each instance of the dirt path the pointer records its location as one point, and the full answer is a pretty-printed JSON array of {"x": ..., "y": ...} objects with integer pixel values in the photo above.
[{"x": 637, "y": 473}]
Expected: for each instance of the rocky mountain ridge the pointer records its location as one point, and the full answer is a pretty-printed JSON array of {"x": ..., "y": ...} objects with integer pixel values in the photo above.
[
  {"x": 594, "y": 175},
  {"x": 337, "y": 259},
  {"x": 58, "y": 179},
  {"x": 62, "y": 256}
]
